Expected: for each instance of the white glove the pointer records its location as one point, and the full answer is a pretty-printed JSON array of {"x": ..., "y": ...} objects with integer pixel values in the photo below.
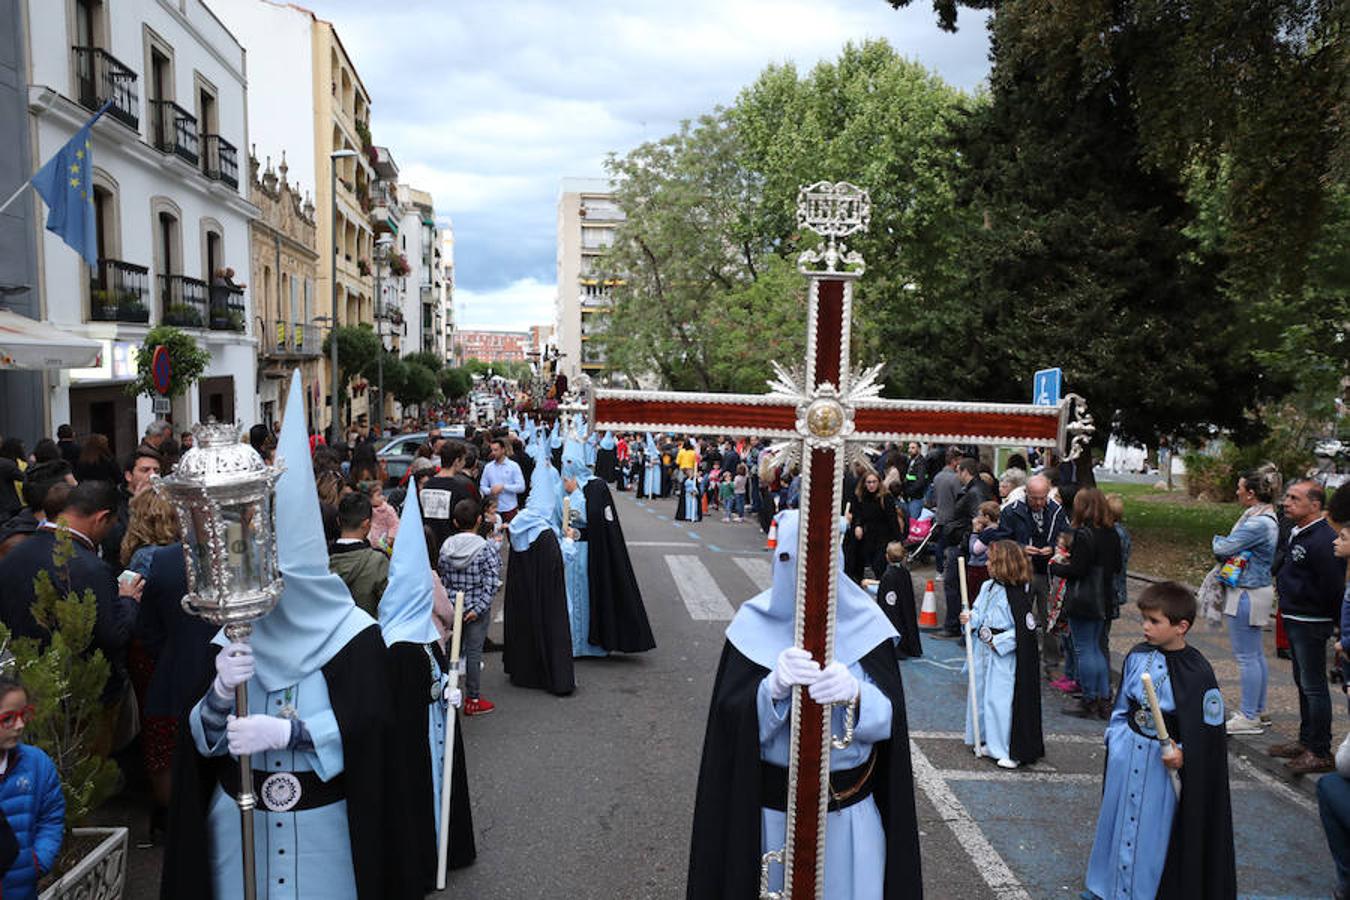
[
  {"x": 234, "y": 666},
  {"x": 795, "y": 666},
  {"x": 453, "y": 696},
  {"x": 254, "y": 734},
  {"x": 836, "y": 684}
]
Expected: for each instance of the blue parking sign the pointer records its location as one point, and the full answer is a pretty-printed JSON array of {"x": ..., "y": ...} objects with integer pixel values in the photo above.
[{"x": 1045, "y": 387}]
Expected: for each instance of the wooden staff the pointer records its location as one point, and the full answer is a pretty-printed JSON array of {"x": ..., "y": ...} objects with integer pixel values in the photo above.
[
  {"x": 970, "y": 657},
  {"x": 448, "y": 759},
  {"x": 567, "y": 515},
  {"x": 1160, "y": 726}
]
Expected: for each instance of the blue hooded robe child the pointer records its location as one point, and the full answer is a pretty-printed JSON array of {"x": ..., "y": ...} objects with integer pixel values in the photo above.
[{"x": 576, "y": 552}]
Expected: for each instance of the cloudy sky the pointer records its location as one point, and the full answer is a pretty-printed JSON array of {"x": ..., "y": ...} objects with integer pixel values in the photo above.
[{"x": 489, "y": 105}]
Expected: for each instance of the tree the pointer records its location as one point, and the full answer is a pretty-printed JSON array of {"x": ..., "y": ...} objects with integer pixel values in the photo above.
[
  {"x": 455, "y": 383},
  {"x": 187, "y": 362},
  {"x": 428, "y": 359},
  {"x": 358, "y": 349},
  {"x": 419, "y": 385}
]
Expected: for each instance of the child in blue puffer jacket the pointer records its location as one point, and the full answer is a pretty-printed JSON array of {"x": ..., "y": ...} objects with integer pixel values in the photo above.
[{"x": 30, "y": 796}]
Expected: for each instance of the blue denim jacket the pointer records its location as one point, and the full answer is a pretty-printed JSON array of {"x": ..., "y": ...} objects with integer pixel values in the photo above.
[{"x": 1258, "y": 535}]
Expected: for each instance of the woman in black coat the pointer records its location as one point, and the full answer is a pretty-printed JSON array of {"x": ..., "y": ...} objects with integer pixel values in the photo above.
[{"x": 872, "y": 525}]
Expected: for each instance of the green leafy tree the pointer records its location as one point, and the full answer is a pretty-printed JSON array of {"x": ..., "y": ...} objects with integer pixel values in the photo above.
[
  {"x": 186, "y": 359},
  {"x": 65, "y": 680},
  {"x": 428, "y": 359},
  {"x": 420, "y": 384},
  {"x": 358, "y": 350},
  {"x": 455, "y": 382}
]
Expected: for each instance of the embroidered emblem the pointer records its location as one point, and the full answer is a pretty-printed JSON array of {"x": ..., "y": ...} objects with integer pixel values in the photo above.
[
  {"x": 1031, "y": 621},
  {"x": 986, "y": 634},
  {"x": 1297, "y": 552},
  {"x": 609, "y": 514},
  {"x": 1213, "y": 705},
  {"x": 23, "y": 783},
  {"x": 280, "y": 792},
  {"x": 1144, "y": 719},
  {"x": 890, "y": 598}
]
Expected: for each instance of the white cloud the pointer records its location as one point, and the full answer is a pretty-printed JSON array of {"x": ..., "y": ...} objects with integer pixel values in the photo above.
[
  {"x": 516, "y": 306},
  {"x": 488, "y": 106}
]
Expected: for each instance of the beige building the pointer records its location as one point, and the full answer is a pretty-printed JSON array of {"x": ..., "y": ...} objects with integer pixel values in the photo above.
[
  {"x": 284, "y": 271},
  {"x": 309, "y": 119},
  {"x": 587, "y": 219}
]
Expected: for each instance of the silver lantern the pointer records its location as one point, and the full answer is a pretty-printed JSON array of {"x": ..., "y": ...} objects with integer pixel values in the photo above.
[{"x": 222, "y": 492}]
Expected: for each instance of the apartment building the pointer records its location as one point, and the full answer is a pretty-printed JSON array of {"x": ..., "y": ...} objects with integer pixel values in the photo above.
[
  {"x": 420, "y": 245},
  {"x": 447, "y": 344},
  {"x": 587, "y": 218},
  {"x": 171, "y": 211},
  {"x": 491, "y": 346}
]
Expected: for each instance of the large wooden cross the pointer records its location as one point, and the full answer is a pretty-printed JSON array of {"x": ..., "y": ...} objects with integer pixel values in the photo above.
[{"x": 815, "y": 414}]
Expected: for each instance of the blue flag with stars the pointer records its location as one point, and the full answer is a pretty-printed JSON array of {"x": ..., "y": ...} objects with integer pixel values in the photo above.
[{"x": 66, "y": 183}]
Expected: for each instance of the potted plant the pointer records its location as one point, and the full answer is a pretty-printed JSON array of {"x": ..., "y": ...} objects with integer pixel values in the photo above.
[
  {"x": 66, "y": 682},
  {"x": 187, "y": 360},
  {"x": 363, "y": 266},
  {"x": 182, "y": 314},
  {"x": 133, "y": 309}
]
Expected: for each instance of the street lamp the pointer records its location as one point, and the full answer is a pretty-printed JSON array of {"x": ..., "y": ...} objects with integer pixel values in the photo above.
[
  {"x": 382, "y": 245},
  {"x": 332, "y": 197}
]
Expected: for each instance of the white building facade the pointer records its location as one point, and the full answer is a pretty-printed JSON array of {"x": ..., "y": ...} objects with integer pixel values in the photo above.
[
  {"x": 447, "y": 344},
  {"x": 170, "y": 203},
  {"x": 419, "y": 242},
  {"x": 587, "y": 218}
]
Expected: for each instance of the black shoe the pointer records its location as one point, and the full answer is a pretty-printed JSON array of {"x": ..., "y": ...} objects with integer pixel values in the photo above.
[
  {"x": 491, "y": 646},
  {"x": 1283, "y": 654},
  {"x": 1082, "y": 709}
]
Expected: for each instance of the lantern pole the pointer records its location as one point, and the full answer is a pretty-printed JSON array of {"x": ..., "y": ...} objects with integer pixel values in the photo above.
[{"x": 240, "y": 631}]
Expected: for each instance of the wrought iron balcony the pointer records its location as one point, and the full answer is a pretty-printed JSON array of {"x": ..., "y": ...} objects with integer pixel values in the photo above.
[
  {"x": 289, "y": 340},
  {"x": 117, "y": 292},
  {"x": 228, "y": 312},
  {"x": 182, "y": 301},
  {"x": 100, "y": 77},
  {"x": 175, "y": 130},
  {"x": 220, "y": 160}
]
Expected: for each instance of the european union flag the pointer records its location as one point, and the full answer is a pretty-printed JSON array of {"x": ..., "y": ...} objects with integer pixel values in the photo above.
[{"x": 66, "y": 183}]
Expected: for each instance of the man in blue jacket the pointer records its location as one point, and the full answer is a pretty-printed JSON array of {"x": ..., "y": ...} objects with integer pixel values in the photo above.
[
  {"x": 1035, "y": 523},
  {"x": 1309, "y": 582}
]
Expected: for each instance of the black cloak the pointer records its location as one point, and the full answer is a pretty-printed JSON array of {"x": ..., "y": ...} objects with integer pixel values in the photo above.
[
  {"x": 358, "y": 689},
  {"x": 410, "y": 753},
  {"x": 895, "y": 596},
  {"x": 637, "y": 459},
  {"x": 1200, "y": 858},
  {"x": 538, "y": 633},
  {"x": 692, "y": 483},
  {"x": 724, "y": 852},
  {"x": 1026, "y": 743},
  {"x": 618, "y": 618},
  {"x": 606, "y": 464},
  {"x": 555, "y": 454}
]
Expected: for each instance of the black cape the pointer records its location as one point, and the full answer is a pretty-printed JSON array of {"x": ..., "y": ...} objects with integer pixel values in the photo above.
[
  {"x": 895, "y": 596},
  {"x": 724, "y": 852},
  {"x": 1026, "y": 743},
  {"x": 618, "y": 618},
  {"x": 606, "y": 464},
  {"x": 537, "y": 631},
  {"x": 1200, "y": 858},
  {"x": 410, "y": 754},
  {"x": 690, "y": 484},
  {"x": 358, "y": 688}
]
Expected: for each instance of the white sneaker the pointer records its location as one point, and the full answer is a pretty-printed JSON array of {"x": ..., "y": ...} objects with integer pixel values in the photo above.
[
  {"x": 1240, "y": 724},
  {"x": 1006, "y": 763}
]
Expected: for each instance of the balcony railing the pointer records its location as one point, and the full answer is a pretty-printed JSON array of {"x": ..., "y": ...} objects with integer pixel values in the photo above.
[
  {"x": 117, "y": 292},
  {"x": 99, "y": 77},
  {"x": 390, "y": 312},
  {"x": 228, "y": 312},
  {"x": 293, "y": 339},
  {"x": 182, "y": 301},
  {"x": 220, "y": 160},
  {"x": 175, "y": 130}
]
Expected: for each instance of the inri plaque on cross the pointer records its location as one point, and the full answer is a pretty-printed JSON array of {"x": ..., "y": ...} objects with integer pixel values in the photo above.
[{"x": 815, "y": 415}]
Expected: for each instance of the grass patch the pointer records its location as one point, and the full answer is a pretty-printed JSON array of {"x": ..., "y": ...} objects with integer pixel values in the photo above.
[{"x": 1172, "y": 532}]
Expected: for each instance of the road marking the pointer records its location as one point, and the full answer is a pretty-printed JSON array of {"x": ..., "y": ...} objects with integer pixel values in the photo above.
[
  {"x": 1049, "y": 738},
  {"x": 987, "y": 860},
  {"x": 1011, "y": 775},
  {"x": 658, "y": 544},
  {"x": 756, "y": 568},
  {"x": 1273, "y": 784},
  {"x": 702, "y": 597}
]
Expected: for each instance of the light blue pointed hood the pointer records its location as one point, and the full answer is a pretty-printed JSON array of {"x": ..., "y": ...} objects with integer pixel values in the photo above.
[
  {"x": 543, "y": 508},
  {"x": 651, "y": 446},
  {"x": 556, "y": 438},
  {"x": 405, "y": 608},
  {"x": 764, "y": 626},
  {"x": 574, "y": 463},
  {"x": 607, "y": 442},
  {"x": 316, "y": 616}
]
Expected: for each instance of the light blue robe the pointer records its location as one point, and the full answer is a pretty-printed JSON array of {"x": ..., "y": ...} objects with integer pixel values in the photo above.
[
  {"x": 1134, "y": 828},
  {"x": 692, "y": 499},
  {"x": 855, "y": 841},
  {"x": 304, "y": 854},
  {"x": 436, "y": 736},
  {"x": 577, "y": 566},
  {"x": 995, "y": 670}
]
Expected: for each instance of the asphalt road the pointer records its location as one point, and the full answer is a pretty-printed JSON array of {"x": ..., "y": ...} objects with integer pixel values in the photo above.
[{"x": 591, "y": 796}]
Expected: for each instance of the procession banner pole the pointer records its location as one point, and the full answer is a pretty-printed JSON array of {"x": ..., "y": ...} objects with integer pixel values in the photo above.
[
  {"x": 1160, "y": 726},
  {"x": 970, "y": 656},
  {"x": 448, "y": 759}
]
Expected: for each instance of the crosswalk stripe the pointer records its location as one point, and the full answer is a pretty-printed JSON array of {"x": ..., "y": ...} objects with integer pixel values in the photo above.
[
  {"x": 756, "y": 568},
  {"x": 702, "y": 597}
]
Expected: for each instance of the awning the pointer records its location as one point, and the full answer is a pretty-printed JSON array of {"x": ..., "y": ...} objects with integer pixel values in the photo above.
[{"x": 29, "y": 344}]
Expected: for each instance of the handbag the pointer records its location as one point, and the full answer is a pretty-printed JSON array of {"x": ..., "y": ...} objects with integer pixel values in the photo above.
[
  {"x": 1233, "y": 567},
  {"x": 1211, "y": 598},
  {"x": 1088, "y": 597}
]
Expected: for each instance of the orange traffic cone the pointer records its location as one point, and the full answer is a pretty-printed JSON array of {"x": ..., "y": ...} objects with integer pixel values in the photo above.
[
  {"x": 928, "y": 612},
  {"x": 772, "y": 542}
]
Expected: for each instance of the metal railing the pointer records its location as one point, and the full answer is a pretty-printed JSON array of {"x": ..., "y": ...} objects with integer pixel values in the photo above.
[
  {"x": 292, "y": 339},
  {"x": 100, "y": 77},
  {"x": 117, "y": 292},
  {"x": 175, "y": 130},
  {"x": 182, "y": 301},
  {"x": 220, "y": 160},
  {"x": 228, "y": 312}
]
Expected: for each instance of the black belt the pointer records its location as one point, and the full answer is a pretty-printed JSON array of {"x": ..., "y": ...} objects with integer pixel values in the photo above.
[
  {"x": 285, "y": 791},
  {"x": 1140, "y": 720},
  {"x": 582, "y": 533},
  {"x": 847, "y": 786},
  {"x": 986, "y": 633}
]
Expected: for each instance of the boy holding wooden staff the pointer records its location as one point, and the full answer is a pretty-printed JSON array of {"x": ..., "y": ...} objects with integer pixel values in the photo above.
[{"x": 1154, "y": 840}]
